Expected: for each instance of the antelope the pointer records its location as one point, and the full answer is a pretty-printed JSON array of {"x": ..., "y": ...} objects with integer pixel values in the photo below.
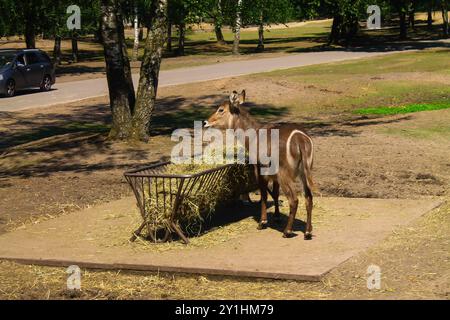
[{"x": 295, "y": 160}]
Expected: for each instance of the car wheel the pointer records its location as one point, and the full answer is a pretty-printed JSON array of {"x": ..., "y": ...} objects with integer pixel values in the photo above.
[
  {"x": 46, "y": 83},
  {"x": 10, "y": 88}
]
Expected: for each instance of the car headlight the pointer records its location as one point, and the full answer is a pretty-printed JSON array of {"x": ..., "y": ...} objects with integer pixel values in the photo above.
[{"x": 1, "y": 77}]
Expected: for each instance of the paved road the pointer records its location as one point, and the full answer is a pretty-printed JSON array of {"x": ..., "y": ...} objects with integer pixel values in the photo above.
[{"x": 84, "y": 89}]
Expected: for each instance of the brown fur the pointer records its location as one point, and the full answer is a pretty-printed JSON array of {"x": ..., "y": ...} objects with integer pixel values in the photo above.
[{"x": 295, "y": 162}]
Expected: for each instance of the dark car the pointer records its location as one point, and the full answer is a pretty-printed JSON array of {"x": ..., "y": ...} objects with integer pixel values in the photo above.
[{"x": 25, "y": 69}]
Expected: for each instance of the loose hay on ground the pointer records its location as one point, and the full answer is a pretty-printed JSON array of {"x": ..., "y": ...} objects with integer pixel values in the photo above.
[{"x": 118, "y": 233}]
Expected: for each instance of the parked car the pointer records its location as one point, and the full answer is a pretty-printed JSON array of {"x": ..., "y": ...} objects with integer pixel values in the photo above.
[{"x": 25, "y": 69}]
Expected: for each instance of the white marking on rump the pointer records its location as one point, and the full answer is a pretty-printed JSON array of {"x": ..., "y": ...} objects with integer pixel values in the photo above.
[{"x": 290, "y": 157}]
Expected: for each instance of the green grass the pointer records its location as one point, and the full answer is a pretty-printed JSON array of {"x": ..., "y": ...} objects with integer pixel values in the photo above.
[
  {"x": 432, "y": 60},
  {"x": 308, "y": 31},
  {"x": 409, "y": 79},
  {"x": 404, "y": 109}
]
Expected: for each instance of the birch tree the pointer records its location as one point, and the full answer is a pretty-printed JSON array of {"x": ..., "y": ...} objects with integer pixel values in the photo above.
[
  {"x": 132, "y": 113},
  {"x": 266, "y": 12},
  {"x": 237, "y": 28},
  {"x": 136, "y": 33},
  {"x": 118, "y": 71},
  {"x": 218, "y": 21},
  {"x": 149, "y": 74}
]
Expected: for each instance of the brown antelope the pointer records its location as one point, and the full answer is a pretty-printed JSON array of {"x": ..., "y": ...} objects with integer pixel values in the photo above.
[{"x": 295, "y": 160}]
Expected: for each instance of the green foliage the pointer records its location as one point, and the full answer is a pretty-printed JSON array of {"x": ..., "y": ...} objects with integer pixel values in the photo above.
[
  {"x": 7, "y": 17},
  {"x": 186, "y": 11},
  {"x": 46, "y": 16},
  {"x": 307, "y": 9},
  {"x": 266, "y": 11}
]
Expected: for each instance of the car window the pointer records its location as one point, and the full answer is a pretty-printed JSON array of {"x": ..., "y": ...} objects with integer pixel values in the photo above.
[
  {"x": 32, "y": 58},
  {"x": 6, "y": 59},
  {"x": 21, "y": 59},
  {"x": 43, "y": 57}
]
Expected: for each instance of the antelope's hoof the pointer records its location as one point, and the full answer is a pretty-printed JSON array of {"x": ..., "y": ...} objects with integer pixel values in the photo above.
[
  {"x": 307, "y": 236},
  {"x": 288, "y": 234},
  {"x": 262, "y": 225}
]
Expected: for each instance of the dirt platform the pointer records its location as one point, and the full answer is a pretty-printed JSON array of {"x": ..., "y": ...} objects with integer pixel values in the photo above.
[{"x": 97, "y": 238}]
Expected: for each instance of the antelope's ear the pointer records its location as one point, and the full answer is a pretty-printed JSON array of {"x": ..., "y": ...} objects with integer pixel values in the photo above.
[
  {"x": 242, "y": 97},
  {"x": 234, "y": 98}
]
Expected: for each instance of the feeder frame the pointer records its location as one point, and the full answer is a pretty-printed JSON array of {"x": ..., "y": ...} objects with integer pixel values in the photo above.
[{"x": 180, "y": 186}]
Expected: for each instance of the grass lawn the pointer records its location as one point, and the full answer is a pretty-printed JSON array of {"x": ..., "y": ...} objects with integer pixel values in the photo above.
[
  {"x": 417, "y": 79},
  {"x": 276, "y": 39},
  {"x": 405, "y": 109}
]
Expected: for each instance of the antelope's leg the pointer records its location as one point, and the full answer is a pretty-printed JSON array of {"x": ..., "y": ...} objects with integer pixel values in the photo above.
[
  {"x": 276, "y": 195},
  {"x": 293, "y": 205},
  {"x": 263, "y": 188},
  {"x": 309, "y": 206}
]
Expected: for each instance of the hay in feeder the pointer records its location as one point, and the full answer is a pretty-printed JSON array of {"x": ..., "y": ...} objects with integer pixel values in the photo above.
[{"x": 201, "y": 202}]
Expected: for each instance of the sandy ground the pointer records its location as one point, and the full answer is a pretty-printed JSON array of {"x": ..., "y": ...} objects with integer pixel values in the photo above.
[
  {"x": 229, "y": 244},
  {"x": 413, "y": 262}
]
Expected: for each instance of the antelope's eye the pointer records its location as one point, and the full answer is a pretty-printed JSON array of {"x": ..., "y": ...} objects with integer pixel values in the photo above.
[{"x": 220, "y": 110}]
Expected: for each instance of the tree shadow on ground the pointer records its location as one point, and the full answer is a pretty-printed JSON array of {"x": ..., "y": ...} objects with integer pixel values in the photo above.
[
  {"x": 248, "y": 46},
  {"x": 385, "y": 40},
  {"x": 80, "y": 138},
  {"x": 26, "y": 92},
  {"x": 175, "y": 112},
  {"x": 77, "y": 141},
  {"x": 84, "y": 55},
  {"x": 78, "y": 69},
  {"x": 345, "y": 126}
]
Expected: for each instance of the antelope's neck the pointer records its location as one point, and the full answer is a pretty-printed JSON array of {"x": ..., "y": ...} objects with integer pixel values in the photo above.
[{"x": 246, "y": 122}]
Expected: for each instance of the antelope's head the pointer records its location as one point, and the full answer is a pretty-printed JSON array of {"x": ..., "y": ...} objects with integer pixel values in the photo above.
[{"x": 227, "y": 113}]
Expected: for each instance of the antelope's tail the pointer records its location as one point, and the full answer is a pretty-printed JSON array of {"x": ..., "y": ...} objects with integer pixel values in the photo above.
[{"x": 307, "y": 150}]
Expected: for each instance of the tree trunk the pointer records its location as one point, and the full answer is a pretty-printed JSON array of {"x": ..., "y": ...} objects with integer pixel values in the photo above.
[
  {"x": 169, "y": 36},
  {"x": 219, "y": 34},
  {"x": 335, "y": 34},
  {"x": 30, "y": 33},
  {"x": 260, "y": 46},
  {"x": 412, "y": 14},
  {"x": 98, "y": 34},
  {"x": 136, "y": 35},
  {"x": 218, "y": 24},
  {"x": 151, "y": 63},
  {"x": 118, "y": 71},
  {"x": 445, "y": 24},
  {"x": 430, "y": 14},
  {"x": 57, "y": 50},
  {"x": 141, "y": 32},
  {"x": 237, "y": 29},
  {"x": 181, "y": 38},
  {"x": 29, "y": 14},
  {"x": 403, "y": 26},
  {"x": 74, "y": 47}
]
